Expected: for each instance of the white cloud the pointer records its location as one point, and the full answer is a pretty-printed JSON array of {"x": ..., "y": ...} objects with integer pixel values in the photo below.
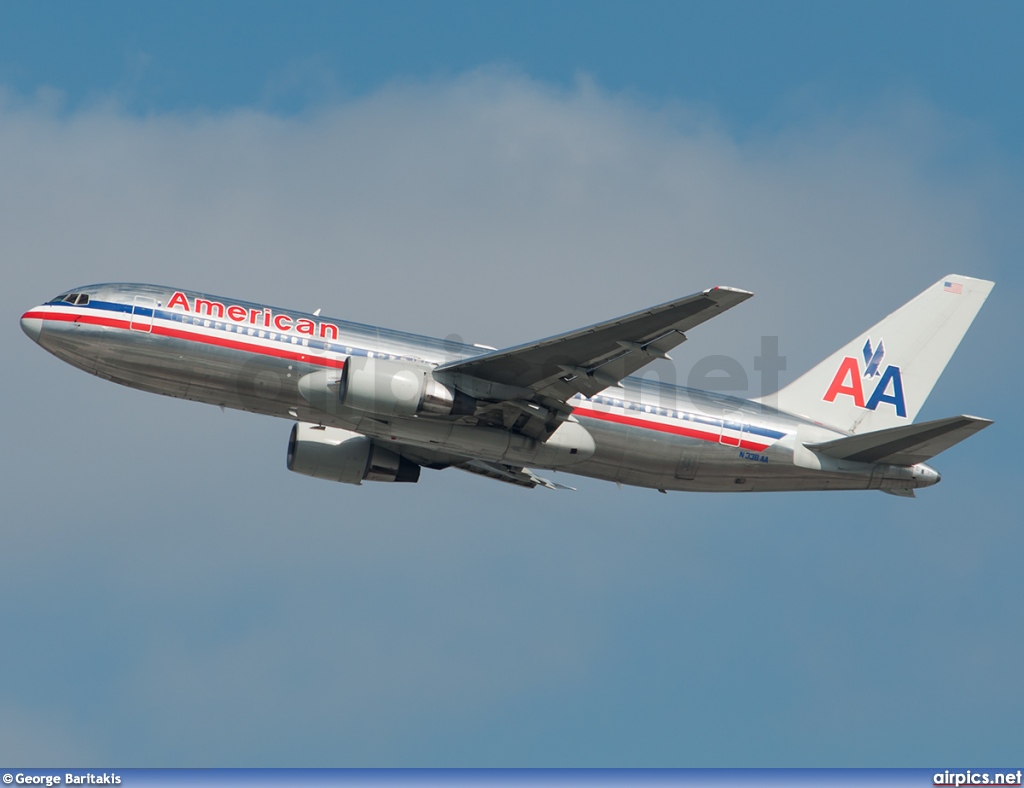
[{"x": 478, "y": 202}]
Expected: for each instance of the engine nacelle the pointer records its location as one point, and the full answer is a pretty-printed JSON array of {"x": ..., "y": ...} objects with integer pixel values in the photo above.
[
  {"x": 399, "y": 388},
  {"x": 343, "y": 456},
  {"x": 385, "y": 388}
]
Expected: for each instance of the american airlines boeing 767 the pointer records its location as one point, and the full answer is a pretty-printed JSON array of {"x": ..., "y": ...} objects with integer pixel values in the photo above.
[{"x": 371, "y": 404}]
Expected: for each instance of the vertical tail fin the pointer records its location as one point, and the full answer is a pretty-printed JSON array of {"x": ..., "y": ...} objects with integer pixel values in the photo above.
[{"x": 882, "y": 378}]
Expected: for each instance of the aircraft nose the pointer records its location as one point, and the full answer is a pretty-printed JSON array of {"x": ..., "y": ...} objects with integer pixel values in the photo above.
[{"x": 32, "y": 326}]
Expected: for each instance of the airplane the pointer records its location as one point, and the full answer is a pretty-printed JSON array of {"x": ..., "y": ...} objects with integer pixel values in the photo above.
[{"x": 372, "y": 404}]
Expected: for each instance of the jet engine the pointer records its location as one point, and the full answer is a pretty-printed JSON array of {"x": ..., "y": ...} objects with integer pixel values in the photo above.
[
  {"x": 384, "y": 387},
  {"x": 399, "y": 388},
  {"x": 343, "y": 456}
]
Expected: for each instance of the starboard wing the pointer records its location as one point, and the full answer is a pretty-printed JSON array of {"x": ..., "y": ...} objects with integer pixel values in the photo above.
[
  {"x": 523, "y": 477},
  {"x": 502, "y": 472}
]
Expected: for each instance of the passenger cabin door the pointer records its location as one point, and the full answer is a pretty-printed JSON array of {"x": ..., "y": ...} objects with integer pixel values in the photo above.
[{"x": 142, "y": 314}]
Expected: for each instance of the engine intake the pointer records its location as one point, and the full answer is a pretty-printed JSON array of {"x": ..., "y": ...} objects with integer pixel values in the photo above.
[{"x": 343, "y": 456}]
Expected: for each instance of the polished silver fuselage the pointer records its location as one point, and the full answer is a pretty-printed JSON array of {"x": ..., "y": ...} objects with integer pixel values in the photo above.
[{"x": 649, "y": 435}]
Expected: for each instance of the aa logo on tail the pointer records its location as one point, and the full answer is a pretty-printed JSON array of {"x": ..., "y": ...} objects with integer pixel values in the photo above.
[{"x": 848, "y": 381}]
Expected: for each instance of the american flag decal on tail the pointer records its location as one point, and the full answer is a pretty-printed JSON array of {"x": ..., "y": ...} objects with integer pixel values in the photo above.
[{"x": 953, "y": 287}]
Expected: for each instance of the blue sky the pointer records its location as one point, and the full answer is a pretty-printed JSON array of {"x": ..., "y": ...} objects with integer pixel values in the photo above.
[
  {"x": 751, "y": 62},
  {"x": 173, "y": 597}
]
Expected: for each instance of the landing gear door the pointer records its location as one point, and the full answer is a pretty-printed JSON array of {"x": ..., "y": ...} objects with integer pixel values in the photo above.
[{"x": 142, "y": 314}]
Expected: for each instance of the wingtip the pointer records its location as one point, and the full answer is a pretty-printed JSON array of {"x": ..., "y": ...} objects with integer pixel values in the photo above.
[{"x": 727, "y": 289}]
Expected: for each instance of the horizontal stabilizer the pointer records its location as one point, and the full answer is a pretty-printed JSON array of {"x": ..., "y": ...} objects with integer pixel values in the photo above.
[{"x": 907, "y": 445}]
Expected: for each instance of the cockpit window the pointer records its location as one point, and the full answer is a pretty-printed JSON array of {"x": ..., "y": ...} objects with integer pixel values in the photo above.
[{"x": 72, "y": 298}]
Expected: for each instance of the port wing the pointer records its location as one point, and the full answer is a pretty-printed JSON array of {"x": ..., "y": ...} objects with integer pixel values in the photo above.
[{"x": 591, "y": 359}]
